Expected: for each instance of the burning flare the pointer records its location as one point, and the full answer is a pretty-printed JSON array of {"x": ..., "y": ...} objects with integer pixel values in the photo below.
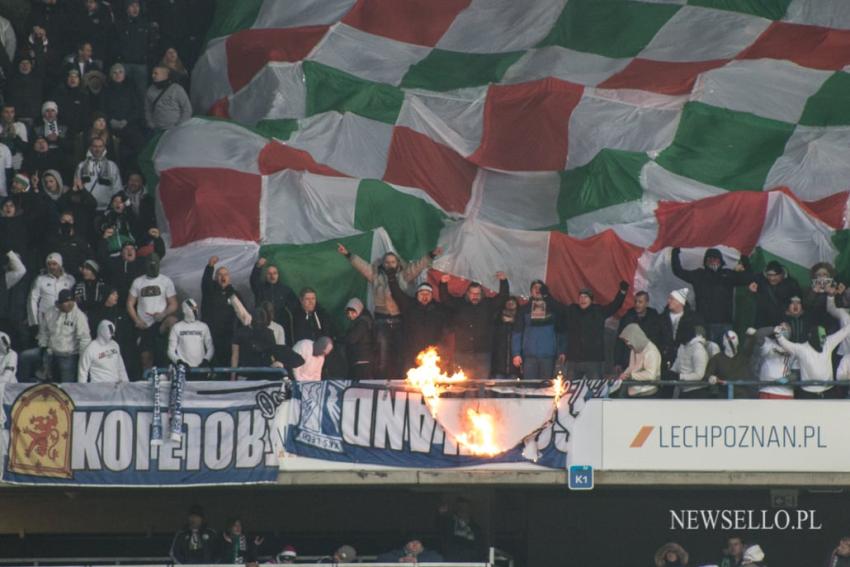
[
  {"x": 481, "y": 438},
  {"x": 429, "y": 379}
]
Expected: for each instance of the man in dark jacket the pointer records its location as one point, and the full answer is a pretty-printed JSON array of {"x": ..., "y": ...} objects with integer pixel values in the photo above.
[
  {"x": 423, "y": 320},
  {"x": 195, "y": 543},
  {"x": 309, "y": 319},
  {"x": 66, "y": 241},
  {"x": 412, "y": 552},
  {"x": 773, "y": 289},
  {"x": 647, "y": 319},
  {"x": 132, "y": 42},
  {"x": 714, "y": 289},
  {"x": 676, "y": 315},
  {"x": 269, "y": 287},
  {"x": 472, "y": 321},
  {"x": 216, "y": 310},
  {"x": 359, "y": 341},
  {"x": 461, "y": 537},
  {"x": 26, "y": 87},
  {"x": 585, "y": 327}
]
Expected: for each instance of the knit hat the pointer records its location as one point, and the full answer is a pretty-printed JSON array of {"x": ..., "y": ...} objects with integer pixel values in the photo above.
[
  {"x": 54, "y": 257},
  {"x": 680, "y": 295},
  {"x": 21, "y": 178},
  {"x": 753, "y": 554},
  {"x": 118, "y": 66},
  {"x": 49, "y": 105},
  {"x": 355, "y": 305},
  {"x": 774, "y": 267},
  {"x": 92, "y": 265},
  {"x": 425, "y": 286},
  {"x": 287, "y": 553},
  {"x": 586, "y": 291}
]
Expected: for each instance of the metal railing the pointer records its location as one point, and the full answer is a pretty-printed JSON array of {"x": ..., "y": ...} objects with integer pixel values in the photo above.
[{"x": 728, "y": 385}]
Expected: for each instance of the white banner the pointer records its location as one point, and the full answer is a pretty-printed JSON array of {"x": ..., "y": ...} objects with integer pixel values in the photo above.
[{"x": 720, "y": 435}]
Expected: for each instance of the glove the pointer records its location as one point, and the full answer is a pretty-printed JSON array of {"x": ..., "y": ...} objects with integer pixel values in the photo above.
[{"x": 624, "y": 287}]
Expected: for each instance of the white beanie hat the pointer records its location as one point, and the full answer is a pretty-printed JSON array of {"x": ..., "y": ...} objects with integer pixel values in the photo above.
[
  {"x": 49, "y": 105},
  {"x": 753, "y": 554},
  {"x": 54, "y": 257},
  {"x": 680, "y": 295}
]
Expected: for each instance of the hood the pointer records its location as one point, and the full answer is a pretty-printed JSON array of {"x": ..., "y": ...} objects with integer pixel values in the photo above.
[
  {"x": 5, "y": 344},
  {"x": 687, "y": 331},
  {"x": 635, "y": 336},
  {"x": 675, "y": 548},
  {"x": 105, "y": 332},
  {"x": 822, "y": 266},
  {"x": 730, "y": 343},
  {"x": 355, "y": 305},
  {"x": 190, "y": 310},
  {"x": 58, "y": 177},
  {"x": 713, "y": 253}
]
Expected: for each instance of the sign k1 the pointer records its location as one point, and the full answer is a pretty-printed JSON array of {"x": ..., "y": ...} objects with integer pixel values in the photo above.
[{"x": 581, "y": 477}]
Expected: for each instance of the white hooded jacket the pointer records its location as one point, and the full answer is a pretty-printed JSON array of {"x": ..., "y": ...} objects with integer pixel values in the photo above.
[
  {"x": 64, "y": 333},
  {"x": 101, "y": 363},
  {"x": 691, "y": 362},
  {"x": 45, "y": 291},
  {"x": 775, "y": 366},
  {"x": 815, "y": 365},
  {"x": 100, "y": 177},
  {"x": 190, "y": 340},
  {"x": 8, "y": 361},
  {"x": 644, "y": 360}
]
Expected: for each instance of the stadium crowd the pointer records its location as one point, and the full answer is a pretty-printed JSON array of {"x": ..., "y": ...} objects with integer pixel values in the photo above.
[
  {"x": 460, "y": 540},
  {"x": 83, "y": 298}
]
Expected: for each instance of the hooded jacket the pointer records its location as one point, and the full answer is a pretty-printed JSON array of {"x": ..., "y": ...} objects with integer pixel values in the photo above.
[
  {"x": 215, "y": 307},
  {"x": 45, "y": 291},
  {"x": 814, "y": 364},
  {"x": 359, "y": 340},
  {"x": 771, "y": 301},
  {"x": 100, "y": 177},
  {"x": 8, "y": 361},
  {"x": 691, "y": 362},
  {"x": 733, "y": 362},
  {"x": 101, "y": 362},
  {"x": 310, "y": 325},
  {"x": 421, "y": 325},
  {"x": 644, "y": 360},
  {"x": 64, "y": 333},
  {"x": 714, "y": 289},
  {"x": 775, "y": 366},
  {"x": 377, "y": 277},
  {"x": 190, "y": 340},
  {"x": 662, "y": 551},
  {"x": 650, "y": 323},
  {"x": 668, "y": 341}
]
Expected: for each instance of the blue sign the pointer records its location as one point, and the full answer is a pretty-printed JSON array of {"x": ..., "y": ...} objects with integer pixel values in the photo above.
[{"x": 581, "y": 477}]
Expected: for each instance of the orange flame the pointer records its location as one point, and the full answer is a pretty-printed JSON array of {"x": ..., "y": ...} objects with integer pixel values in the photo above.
[
  {"x": 429, "y": 379},
  {"x": 481, "y": 438}
]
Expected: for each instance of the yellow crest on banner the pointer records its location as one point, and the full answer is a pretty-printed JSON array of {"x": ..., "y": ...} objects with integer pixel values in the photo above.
[{"x": 40, "y": 443}]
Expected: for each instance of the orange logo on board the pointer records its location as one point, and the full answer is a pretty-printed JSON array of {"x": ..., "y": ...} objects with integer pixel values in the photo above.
[
  {"x": 641, "y": 437},
  {"x": 40, "y": 443}
]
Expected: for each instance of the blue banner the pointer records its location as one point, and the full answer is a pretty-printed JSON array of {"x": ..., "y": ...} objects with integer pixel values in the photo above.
[
  {"x": 100, "y": 434},
  {"x": 390, "y": 424}
]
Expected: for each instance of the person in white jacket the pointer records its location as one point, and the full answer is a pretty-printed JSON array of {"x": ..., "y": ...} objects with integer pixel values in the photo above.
[
  {"x": 644, "y": 361},
  {"x": 64, "y": 335},
  {"x": 190, "y": 340},
  {"x": 45, "y": 289},
  {"x": 98, "y": 175},
  {"x": 775, "y": 368},
  {"x": 691, "y": 362},
  {"x": 815, "y": 357},
  {"x": 314, "y": 354},
  {"x": 101, "y": 362},
  {"x": 8, "y": 361}
]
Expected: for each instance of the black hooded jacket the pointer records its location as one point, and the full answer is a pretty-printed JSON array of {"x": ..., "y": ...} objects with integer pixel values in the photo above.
[{"x": 714, "y": 289}]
